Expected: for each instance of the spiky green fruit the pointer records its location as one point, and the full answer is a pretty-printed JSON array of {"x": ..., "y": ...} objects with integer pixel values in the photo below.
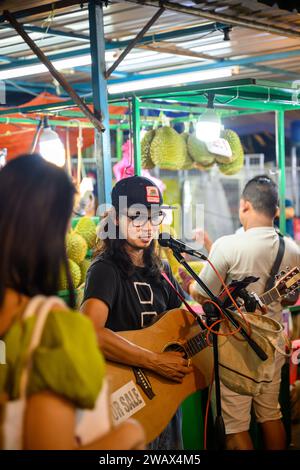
[
  {"x": 147, "y": 163},
  {"x": 76, "y": 247},
  {"x": 75, "y": 275},
  {"x": 86, "y": 228},
  {"x": 84, "y": 266},
  {"x": 168, "y": 149},
  {"x": 237, "y": 162},
  {"x": 198, "y": 151}
]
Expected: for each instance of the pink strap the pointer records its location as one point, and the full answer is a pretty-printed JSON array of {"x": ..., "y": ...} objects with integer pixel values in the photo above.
[{"x": 189, "y": 308}]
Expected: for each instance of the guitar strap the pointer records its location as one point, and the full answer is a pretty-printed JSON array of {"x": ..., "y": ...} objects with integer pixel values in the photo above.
[
  {"x": 189, "y": 308},
  {"x": 275, "y": 268}
]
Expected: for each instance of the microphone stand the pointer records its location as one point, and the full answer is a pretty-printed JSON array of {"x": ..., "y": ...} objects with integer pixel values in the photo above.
[{"x": 213, "y": 315}]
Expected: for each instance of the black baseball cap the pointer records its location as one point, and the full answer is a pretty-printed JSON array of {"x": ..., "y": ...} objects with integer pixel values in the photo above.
[{"x": 138, "y": 190}]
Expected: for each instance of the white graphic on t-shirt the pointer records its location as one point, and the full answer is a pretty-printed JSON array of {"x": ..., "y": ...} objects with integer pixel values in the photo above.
[
  {"x": 142, "y": 295},
  {"x": 145, "y": 295},
  {"x": 147, "y": 317}
]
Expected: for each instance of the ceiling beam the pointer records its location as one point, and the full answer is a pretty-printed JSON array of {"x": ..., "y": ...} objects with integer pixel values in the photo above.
[
  {"x": 170, "y": 48},
  {"x": 229, "y": 19},
  {"x": 57, "y": 5}
]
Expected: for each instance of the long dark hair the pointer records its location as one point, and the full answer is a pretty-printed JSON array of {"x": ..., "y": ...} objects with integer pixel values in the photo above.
[
  {"x": 36, "y": 201},
  {"x": 114, "y": 250}
]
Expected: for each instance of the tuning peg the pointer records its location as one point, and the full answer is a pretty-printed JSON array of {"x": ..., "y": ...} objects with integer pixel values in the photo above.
[{"x": 288, "y": 268}]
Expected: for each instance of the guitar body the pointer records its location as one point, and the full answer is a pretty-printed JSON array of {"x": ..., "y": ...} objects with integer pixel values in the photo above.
[{"x": 129, "y": 399}]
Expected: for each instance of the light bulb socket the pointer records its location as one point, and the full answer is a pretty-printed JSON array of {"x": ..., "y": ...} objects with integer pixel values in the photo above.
[
  {"x": 226, "y": 32},
  {"x": 210, "y": 100}
]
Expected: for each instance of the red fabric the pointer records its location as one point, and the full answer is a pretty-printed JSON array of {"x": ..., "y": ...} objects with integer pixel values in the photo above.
[{"x": 17, "y": 138}]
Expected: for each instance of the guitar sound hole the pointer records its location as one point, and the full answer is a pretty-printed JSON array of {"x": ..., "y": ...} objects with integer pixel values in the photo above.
[{"x": 175, "y": 347}]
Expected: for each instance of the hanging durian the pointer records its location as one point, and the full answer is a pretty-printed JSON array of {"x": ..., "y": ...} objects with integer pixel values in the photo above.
[
  {"x": 199, "y": 153},
  {"x": 147, "y": 163},
  {"x": 168, "y": 149},
  {"x": 237, "y": 154}
]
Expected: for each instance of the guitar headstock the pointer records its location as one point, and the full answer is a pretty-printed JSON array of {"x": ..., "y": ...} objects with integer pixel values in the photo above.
[{"x": 288, "y": 281}]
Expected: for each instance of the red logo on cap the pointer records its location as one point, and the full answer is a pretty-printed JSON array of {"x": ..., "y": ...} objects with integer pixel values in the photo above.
[{"x": 152, "y": 194}]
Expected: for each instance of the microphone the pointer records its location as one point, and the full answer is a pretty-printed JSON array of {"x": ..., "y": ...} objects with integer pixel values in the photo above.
[{"x": 165, "y": 240}]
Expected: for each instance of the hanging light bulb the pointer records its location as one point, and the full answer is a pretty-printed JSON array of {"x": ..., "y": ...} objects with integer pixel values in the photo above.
[
  {"x": 51, "y": 147},
  {"x": 209, "y": 126}
]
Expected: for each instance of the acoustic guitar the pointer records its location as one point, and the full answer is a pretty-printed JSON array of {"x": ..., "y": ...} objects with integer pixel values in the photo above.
[{"x": 153, "y": 399}]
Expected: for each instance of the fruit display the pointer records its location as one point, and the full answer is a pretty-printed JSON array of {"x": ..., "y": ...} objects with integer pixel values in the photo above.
[
  {"x": 166, "y": 148},
  {"x": 80, "y": 242}
]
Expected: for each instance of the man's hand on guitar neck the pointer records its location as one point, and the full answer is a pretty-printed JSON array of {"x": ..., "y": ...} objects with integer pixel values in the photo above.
[{"x": 171, "y": 365}]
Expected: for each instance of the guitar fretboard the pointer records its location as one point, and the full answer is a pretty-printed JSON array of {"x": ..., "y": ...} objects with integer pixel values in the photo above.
[
  {"x": 270, "y": 296},
  {"x": 196, "y": 344}
]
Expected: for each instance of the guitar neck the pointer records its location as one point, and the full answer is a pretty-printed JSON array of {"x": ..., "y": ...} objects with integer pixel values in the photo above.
[
  {"x": 194, "y": 345},
  {"x": 270, "y": 296}
]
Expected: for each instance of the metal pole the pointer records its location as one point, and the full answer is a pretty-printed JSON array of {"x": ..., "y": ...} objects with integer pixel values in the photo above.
[
  {"x": 102, "y": 140},
  {"x": 136, "y": 122},
  {"x": 280, "y": 155},
  {"x": 133, "y": 43}
]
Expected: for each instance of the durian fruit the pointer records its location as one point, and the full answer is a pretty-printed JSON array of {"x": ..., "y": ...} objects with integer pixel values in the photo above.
[
  {"x": 147, "y": 163},
  {"x": 189, "y": 161},
  {"x": 168, "y": 149},
  {"x": 86, "y": 228},
  {"x": 231, "y": 138},
  {"x": 84, "y": 266},
  {"x": 75, "y": 275},
  {"x": 76, "y": 247},
  {"x": 237, "y": 154},
  {"x": 199, "y": 153}
]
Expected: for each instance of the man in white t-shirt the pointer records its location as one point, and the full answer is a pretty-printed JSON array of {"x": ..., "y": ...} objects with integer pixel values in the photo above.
[{"x": 251, "y": 252}]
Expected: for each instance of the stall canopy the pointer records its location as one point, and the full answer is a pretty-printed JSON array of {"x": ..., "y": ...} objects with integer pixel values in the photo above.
[{"x": 17, "y": 130}]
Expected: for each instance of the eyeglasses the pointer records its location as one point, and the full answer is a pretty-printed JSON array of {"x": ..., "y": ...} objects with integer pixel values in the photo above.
[{"x": 139, "y": 220}]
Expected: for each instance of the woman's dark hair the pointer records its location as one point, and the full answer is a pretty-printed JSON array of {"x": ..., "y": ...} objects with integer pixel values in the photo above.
[
  {"x": 36, "y": 201},
  {"x": 114, "y": 249}
]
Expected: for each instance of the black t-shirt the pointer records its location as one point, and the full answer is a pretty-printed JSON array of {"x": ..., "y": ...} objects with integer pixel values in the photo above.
[{"x": 133, "y": 301}]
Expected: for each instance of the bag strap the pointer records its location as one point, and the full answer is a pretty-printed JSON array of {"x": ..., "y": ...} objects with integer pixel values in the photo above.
[
  {"x": 189, "y": 308},
  {"x": 275, "y": 268},
  {"x": 41, "y": 307}
]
